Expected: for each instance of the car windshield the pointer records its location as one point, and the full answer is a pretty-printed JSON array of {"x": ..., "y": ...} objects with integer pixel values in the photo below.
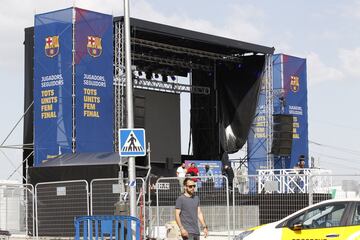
[
  {"x": 324, "y": 217},
  {"x": 320, "y": 217}
]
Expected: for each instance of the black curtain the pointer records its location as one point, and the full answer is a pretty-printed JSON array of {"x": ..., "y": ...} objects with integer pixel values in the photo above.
[{"x": 238, "y": 90}]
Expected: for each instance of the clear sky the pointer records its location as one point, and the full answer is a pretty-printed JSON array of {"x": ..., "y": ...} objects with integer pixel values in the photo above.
[{"x": 325, "y": 32}]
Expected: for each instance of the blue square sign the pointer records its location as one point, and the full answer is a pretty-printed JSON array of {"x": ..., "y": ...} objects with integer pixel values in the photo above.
[{"x": 132, "y": 142}]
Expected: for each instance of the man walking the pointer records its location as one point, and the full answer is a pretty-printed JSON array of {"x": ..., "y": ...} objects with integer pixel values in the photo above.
[{"x": 188, "y": 212}]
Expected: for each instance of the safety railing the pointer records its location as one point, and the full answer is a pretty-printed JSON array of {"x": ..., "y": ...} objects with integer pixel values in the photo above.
[{"x": 291, "y": 180}]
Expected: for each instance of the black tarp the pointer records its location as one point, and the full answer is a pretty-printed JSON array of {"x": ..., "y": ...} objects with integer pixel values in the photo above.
[{"x": 238, "y": 90}]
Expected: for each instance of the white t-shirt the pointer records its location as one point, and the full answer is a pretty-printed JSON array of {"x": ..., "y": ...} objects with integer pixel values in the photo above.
[{"x": 180, "y": 171}]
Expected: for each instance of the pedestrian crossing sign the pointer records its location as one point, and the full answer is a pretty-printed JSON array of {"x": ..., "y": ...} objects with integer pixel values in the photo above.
[{"x": 132, "y": 142}]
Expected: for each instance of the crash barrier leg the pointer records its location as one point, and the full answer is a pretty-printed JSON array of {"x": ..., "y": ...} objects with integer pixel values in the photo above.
[{"x": 99, "y": 226}]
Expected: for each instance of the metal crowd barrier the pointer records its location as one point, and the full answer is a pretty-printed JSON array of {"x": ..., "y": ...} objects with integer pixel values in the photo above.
[
  {"x": 254, "y": 200},
  {"x": 214, "y": 201},
  {"x": 57, "y": 203},
  {"x": 17, "y": 209},
  {"x": 103, "y": 226},
  {"x": 106, "y": 193}
]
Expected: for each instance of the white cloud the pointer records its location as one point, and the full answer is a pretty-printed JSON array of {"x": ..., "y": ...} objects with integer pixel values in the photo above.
[
  {"x": 240, "y": 23},
  {"x": 350, "y": 59},
  {"x": 143, "y": 10},
  {"x": 237, "y": 24},
  {"x": 351, "y": 10},
  {"x": 318, "y": 71}
]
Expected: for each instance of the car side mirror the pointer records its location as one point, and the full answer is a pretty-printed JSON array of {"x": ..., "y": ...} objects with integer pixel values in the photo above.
[{"x": 297, "y": 227}]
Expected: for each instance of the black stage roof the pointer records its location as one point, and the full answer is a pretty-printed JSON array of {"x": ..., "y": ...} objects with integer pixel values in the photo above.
[
  {"x": 192, "y": 39},
  {"x": 168, "y": 50}
]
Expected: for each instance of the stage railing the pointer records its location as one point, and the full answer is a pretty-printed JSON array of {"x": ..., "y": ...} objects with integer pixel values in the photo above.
[{"x": 292, "y": 180}]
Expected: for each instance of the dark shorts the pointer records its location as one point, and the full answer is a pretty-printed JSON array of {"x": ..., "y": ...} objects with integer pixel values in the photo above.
[{"x": 192, "y": 237}]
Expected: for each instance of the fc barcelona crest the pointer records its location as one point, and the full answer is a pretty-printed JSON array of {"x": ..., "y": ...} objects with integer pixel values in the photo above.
[
  {"x": 52, "y": 46},
  {"x": 294, "y": 83},
  {"x": 94, "y": 46}
]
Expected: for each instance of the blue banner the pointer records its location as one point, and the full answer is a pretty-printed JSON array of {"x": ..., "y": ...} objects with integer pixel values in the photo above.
[
  {"x": 256, "y": 144},
  {"x": 294, "y": 84},
  {"x": 94, "y": 81},
  {"x": 52, "y": 84},
  {"x": 289, "y": 82}
]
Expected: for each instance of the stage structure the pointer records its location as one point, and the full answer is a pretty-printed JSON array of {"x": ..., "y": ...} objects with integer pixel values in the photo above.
[
  {"x": 288, "y": 114},
  {"x": 225, "y": 75},
  {"x": 225, "y": 82}
]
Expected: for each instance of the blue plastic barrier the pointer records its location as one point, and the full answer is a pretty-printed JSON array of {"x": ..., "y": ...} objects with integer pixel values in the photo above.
[{"x": 94, "y": 227}]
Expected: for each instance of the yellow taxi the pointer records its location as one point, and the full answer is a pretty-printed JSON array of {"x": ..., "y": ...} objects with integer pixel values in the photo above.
[{"x": 331, "y": 219}]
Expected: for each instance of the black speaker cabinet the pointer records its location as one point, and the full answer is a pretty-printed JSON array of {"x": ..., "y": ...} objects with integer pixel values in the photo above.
[{"x": 282, "y": 134}]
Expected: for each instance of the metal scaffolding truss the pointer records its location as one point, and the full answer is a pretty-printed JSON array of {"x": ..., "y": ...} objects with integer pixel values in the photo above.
[
  {"x": 171, "y": 62},
  {"x": 163, "y": 58},
  {"x": 165, "y": 86},
  {"x": 184, "y": 50},
  {"x": 269, "y": 108},
  {"x": 143, "y": 83},
  {"x": 119, "y": 89}
]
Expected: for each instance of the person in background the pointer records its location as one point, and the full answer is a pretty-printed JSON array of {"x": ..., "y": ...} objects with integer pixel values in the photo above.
[
  {"x": 229, "y": 173},
  {"x": 209, "y": 173},
  {"x": 299, "y": 175},
  {"x": 301, "y": 162},
  {"x": 241, "y": 179},
  {"x": 188, "y": 213},
  {"x": 193, "y": 171},
  {"x": 180, "y": 173}
]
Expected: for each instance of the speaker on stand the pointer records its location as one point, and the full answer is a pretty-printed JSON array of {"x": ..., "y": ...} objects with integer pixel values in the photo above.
[{"x": 282, "y": 136}]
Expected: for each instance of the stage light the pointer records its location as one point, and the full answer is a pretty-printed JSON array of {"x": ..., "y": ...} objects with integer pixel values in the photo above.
[
  {"x": 164, "y": 78},
  {"x": 148, "y": 75},
  {"x": 173, "y": 78},
  {"x": 140, "y": 73},
  {"x": 156, "y": 75}
]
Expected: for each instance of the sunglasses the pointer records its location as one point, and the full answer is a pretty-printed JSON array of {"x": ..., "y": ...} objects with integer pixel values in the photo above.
[{"x": 190, "y": 186}]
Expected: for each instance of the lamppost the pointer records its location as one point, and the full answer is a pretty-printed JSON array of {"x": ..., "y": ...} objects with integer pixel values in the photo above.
[{"x": 129, "y": 107}]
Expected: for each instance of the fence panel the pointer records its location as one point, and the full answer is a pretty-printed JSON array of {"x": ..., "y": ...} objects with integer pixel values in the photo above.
[
  {"x": 214, "y": 201},
  {"x": 337, "y": 186},
  {"x": 17, "y": 208},
  {"x": 57, "y": 204},
  {"x": 259, "y": 199},
  {"x": 106, "y": 193}
]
